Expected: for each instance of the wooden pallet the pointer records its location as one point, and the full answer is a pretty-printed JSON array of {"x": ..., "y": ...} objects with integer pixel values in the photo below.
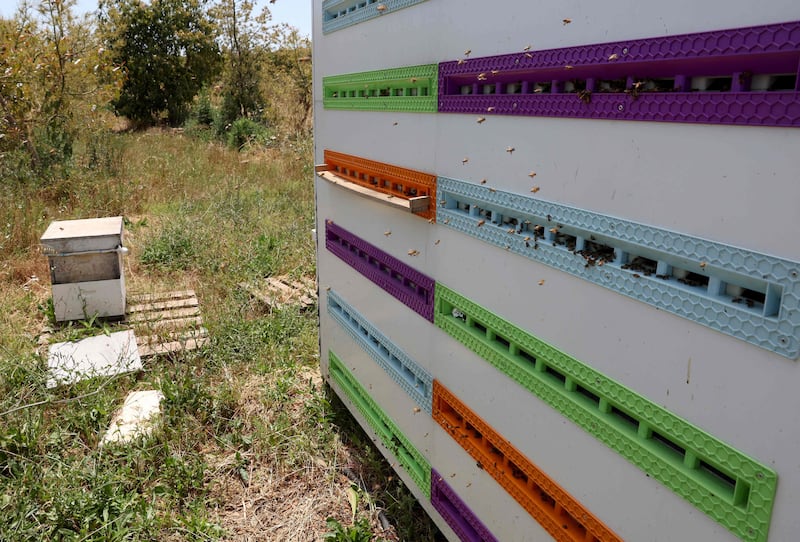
[
  {"x": 166, "y": 322},
  {"x": 279, "y": 292}
]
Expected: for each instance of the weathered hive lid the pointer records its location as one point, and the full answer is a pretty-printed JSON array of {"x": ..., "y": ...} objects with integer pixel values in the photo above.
[{"x": 68, "y": 236}]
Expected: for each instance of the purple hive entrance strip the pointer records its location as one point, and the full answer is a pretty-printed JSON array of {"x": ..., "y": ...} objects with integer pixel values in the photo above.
[
  {"x": 743, "y": 76},
  {"x": 456, "y": 513},
  {"x": 405, "y": 283}
]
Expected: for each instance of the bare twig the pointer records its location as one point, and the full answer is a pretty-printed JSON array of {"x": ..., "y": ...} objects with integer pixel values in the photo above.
[{"x": 60, "y": 401}]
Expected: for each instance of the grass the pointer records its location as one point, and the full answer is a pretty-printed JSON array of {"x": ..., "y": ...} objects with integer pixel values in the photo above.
[{"x": 251, "y": 444}]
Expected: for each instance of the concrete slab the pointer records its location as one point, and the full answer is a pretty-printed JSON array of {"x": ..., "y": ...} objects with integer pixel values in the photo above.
[{"x": 103, "y": 355}]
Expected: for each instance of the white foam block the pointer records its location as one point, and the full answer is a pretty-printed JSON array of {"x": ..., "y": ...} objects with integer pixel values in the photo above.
[{"x": 137, "y": 417}]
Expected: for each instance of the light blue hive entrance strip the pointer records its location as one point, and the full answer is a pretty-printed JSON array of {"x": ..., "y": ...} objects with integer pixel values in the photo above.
[
  {"x": 753, "y": 297},
  {"x": 338, "y": 14},
  {"x": 414, "y": 380}
]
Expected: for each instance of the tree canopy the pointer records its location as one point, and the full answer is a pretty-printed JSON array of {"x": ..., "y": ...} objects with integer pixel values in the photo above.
[{"x": 167, "y": 50}]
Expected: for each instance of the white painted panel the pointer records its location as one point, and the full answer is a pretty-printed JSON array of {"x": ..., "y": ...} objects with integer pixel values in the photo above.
[
  {"x": 83, "y": 300},
  {"x": 736, "y": 185}
]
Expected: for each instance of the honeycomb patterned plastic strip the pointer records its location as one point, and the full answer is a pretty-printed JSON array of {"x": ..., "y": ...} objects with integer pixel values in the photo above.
[
  {"x": 732, "y": 488},
  {"x": 456, "y": 513},
  {"x": 405, "y": 283},
  {"x": 412, "y": 461},
  {"x": 743, "y": 76},
  {"x": 411, "y": 89},
  {"x": 338, "y": 14},
  {"x": 553, "y": 508},
  {"x": 753, "y": 297},
  {"x": 414, "y": 380},
  {"x": 392, "y": 181}
]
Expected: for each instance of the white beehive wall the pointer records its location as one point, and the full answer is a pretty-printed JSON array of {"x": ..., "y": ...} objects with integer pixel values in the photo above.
[{"x": 733, "y": 185}]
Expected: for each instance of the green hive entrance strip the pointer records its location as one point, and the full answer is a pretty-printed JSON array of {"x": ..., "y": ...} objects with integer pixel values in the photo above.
[
  {"x": 413, "y": 462},
  {"x": 729, "y": 486},
  {"x": 410, "y": 89}
]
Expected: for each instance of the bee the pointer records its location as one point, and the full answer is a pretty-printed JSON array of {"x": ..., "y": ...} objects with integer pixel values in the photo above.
[
  {"x": 390, "y": 196},
  {"x": 481, "y": 120},
  {"x": 490, "y": 109},
  {"x": 613, "y": 57},
  {"x": 492, "y": 190},
  {"x": 413, "y": 252},
  {"x": 510, "y": 150},
  {"x": 549, "y": 218},
  {"x": 528, "y": 238},
  {"x": 443, "y": 202},
  {"x": 464, "y": 160},
  {"x": 381, "y": 8},
  {"x": 495, "y": 72},
  {"x": 528, "y": 55},
  {"x": 416, "y": 409},
  {"x": 568, "y": 67},
  {"x": 395, "y": 123},
  {"x": 413, "y": 79},
  {"x": 447, "y": 221},
  {"x": 636, "y": 275},
  {"x": 566, "y": 21},
  {"x": 453, "y": 475},
  {"x": 387, "y": 233},
  {"x": 481, "y": 222},
  {"x": 437, "y": 241},
  {"x": 526, "y": 48},
  {"x": 469, "y": 484},
  {"x": 479, "y": 465},
  {"x": 703, "y": 265},
  {"x": 511, "y": 230},
  {"x": 532, "y": 174},
  {"x": 537, "y": 90},
  {"x": 508, "y": 247},
  {"x": 554, "y": 230},
  {"x": 585, "y": 95},
  {"x": 600, "y": 263},
  {"x": 535, "y": 189},
  {"x": 483, "y": 181},
  {"x": 431, "y": 221},
  {"x": 460, "y": 61},
  {"x": 541, "y": 282},
  {"x": 481, "y": 76},
  {"x": 327, "y": 288},
  {"x": 467, "y": 52}
]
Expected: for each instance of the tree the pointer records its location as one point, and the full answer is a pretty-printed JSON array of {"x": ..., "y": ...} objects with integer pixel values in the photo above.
[
  {"x": 167, "y": 50},
  {"x": 243, "y": 49},
  {"x": 52, "y": 78},
  {"x": 289, "y": 83}
]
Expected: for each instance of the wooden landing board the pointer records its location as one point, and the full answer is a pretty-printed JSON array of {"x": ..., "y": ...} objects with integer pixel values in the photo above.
[
  {"x": 166, "y": 322},
  {"x": 279, "y": 292}
]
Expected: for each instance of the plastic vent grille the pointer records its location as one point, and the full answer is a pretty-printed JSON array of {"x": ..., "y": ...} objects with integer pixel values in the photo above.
[
  {"x": 405, "y": 283},
  {"x": 555, "y": 509},
  {"x": 744, "y": 294},
  {"x": 456, "y": 513},
  {"x": 338, "y": 14},
  {"x": 414, "y": 380},
  {"x": 411, "y": 89},
  {"x": 412, "y": 461},
  {"x": 395, "y": 181},
  {"x": 740, "y": 76},
  {"x": 729, "y": 486}
]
